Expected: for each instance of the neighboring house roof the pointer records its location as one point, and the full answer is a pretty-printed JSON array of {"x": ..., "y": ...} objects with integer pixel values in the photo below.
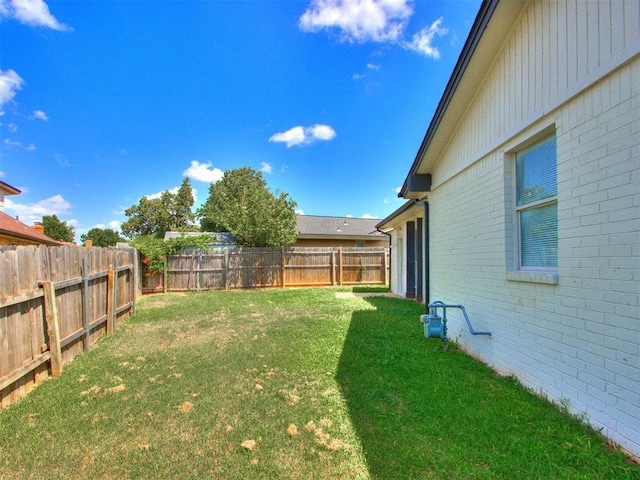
[
  {"x": 8, "y": 189},
  {"x": 11, "y": 227},
  {"x": 311, "y": 226},
  {"x": 217, "y": 238},
  {"x": 407, "y": 210}
]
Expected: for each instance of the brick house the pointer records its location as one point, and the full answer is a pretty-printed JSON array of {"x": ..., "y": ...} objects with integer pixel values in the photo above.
[
  {"x": 13, "y": 231},
  {"x": 524, "y": 204}
]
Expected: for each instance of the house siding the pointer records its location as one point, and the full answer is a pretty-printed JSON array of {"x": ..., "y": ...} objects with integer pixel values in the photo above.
[
  {"x": 576, "y": 342},
  {"x": 318, "y": 242}
]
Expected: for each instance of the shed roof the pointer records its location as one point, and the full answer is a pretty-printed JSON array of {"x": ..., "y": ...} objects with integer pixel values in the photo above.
[{"x": 312, "y": 226}]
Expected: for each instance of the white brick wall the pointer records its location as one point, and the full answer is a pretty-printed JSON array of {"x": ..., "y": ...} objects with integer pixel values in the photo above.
[{"x": 576, "y": 342}]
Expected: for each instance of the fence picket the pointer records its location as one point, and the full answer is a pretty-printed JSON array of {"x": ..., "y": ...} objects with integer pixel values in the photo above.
[
  {"x": 53, "y": 306},
  {"x": 271, "y": 267}
]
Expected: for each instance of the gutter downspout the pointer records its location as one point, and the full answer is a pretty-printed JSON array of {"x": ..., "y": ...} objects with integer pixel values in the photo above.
[
  {"x": 390, "y": 255},
  {"x": 426, "y": 254}
]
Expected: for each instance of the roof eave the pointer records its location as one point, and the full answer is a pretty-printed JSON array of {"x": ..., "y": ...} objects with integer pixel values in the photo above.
[{"x": 458, "y": 93}]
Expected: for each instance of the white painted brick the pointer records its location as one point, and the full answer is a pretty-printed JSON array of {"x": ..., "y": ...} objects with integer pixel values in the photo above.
[
  {"x": 622, "y": 345},
  {"x": 627, "y": 400},
  {"x": 625, "y": 287},
  {"x": 569, "y": 340}
]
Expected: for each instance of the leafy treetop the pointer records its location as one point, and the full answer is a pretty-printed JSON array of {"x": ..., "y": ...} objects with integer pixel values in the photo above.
[
  {"x": 57, "y": 229},
  {"x": 101, "y": 237},
  {"x": 241, "y": 203},
  {"x": 155, "y": 216}
]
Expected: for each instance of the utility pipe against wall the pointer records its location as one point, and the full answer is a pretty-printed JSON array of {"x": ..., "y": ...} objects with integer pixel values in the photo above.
[{"x": 438, "y": 304}]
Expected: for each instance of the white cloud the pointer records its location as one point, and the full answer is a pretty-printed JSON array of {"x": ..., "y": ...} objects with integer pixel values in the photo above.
[
  {"x": 113, "y": 225},
  {"x": 31, "y": 147},
  {"x": 31, "y": 12},
  {"x": 2, "y": 174},
  {"x": 153, "y": 196},
  {"x": 293, "y": 136},
  {"x": 266, "y": 167},
  {"x": 10, "y": 83},
  {"x": 299, "y": 211},
  {"x": 40, "y": 115},
  {"x": 203, "y": 172},
  {"x": 173, "y": 191},
  {"x": 11, "y": 143},
  {"x": 369, "y": 216},
  {"x": 422, "y": 41},
  {"x": 373, "y": 66},
  {"x": 12, "y": 127},
  {"x": 358, "y": 20},
  {"x": 322, "y": 132},
  {"x": 304, "y": 135},
  {"x": 62, "y": 160},
  {"x": 33, "y": 212}
]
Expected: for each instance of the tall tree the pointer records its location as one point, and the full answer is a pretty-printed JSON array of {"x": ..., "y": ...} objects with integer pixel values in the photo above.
[
  {"x": 241, "y": 203},
  {"x": 57, "y": 229},
  {"x": 101, "y": 237},
  {"x": 145, "y": 218},
  {"x": 183, "y": 216},
  {"x": 155, "y": 216}
]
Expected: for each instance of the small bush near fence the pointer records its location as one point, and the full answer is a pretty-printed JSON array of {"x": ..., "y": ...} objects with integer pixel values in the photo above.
[
  {"x": 271, "y": 267},
  {"x": 55, "y": 302}
]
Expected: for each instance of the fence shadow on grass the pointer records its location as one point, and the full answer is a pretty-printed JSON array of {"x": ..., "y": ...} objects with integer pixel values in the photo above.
[{"x": 421, "y": 412}]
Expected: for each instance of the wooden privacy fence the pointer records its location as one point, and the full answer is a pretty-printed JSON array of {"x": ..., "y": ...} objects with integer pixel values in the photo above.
[
  {"x": 55, "y": 302},
  {"x": 271, "y": 267}
]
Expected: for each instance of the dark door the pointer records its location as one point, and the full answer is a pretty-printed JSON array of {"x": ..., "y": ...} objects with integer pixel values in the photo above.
[{"x": 411, "y": 260}]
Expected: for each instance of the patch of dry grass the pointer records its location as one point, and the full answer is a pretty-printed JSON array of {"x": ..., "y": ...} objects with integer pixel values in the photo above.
[{"x": 286, "y": 384}]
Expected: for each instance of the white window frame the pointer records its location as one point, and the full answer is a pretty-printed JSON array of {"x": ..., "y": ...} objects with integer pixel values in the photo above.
[
  {"x": 515, "y": 270},
  {"x": 536, "y": 204}
]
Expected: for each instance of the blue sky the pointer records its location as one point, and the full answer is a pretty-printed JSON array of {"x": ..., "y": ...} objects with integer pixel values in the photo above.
[{"x": 103, "y": 102}]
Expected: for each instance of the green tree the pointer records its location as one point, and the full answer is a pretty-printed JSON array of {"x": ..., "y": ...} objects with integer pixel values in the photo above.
[
  {"x": 57, "y": 229},
  {"x": 145, "y": 218},
  {"x": 101, "y": 237},
  {"x": 154, "y": 250},
  {"x": 183, "y": 218},
  {"x": 155, "y": 216},
  {"x": 241, "y": 203}
]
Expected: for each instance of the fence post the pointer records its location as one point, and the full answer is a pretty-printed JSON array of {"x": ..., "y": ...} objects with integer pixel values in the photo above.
[
  {"x": 53, "y": 327},
  {"x": 333, "y": 267},
  {"x": 340, "y": 260},
  {"x": 225, "y": 269},
  {"x": 85, "y": 306},
  {"x": 110, "y": 298},
  {"x": 283, "y": 261},
  {"x": 133, "y": 279},
  {"x": 165, "y": 274},
  {"x": 116, "y": 264}
]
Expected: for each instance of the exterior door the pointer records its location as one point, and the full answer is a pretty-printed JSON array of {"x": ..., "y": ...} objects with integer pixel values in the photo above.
[{"x": 411, "y": 260}]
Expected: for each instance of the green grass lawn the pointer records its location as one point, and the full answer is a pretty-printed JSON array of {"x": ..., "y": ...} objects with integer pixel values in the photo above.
[{"x": 296, "y": 384}]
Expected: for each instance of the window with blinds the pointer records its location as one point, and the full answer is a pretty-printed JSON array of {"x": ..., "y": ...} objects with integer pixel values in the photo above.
[{"x": 536, "y": 205}]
